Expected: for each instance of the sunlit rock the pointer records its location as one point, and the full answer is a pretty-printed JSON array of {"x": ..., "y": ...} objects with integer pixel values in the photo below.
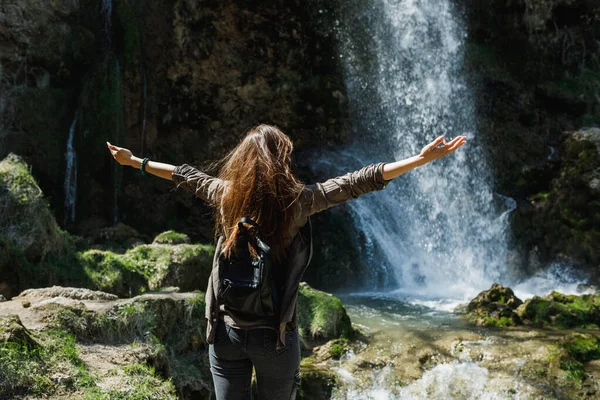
[{"x": 494, "y": 307}]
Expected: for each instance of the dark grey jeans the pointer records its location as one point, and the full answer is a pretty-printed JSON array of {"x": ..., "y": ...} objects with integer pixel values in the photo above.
[{"x": 236, "y": 351}]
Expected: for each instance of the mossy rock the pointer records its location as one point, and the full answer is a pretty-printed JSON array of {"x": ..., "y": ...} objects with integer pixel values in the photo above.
[
  {"x": 494, "y": 307},
  {"x": 12, "y": 330},
  {"x": 322, "y": 316},
  {"x": 110, "y": 272},
  {"x": 317, "y": 382},
  {"x": 186, "y": 266},
  {"x": 573, "y": 352},
  {"x": 562, "y": 311},
  {"x": 171, "y": 237},
  {"x": 26, "y": 220},
  {"x": 174, "y": 318},
  {"x": 50, "y": 366},
  {"x": 334, "y": 349}
]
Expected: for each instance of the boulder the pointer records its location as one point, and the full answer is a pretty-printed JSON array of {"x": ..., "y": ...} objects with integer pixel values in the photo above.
[
  {"x": 494, "y": 307},
  {"x": 186, "y": 266},
  {"x": 171, "y": 237},
  {"x": 27, "y": 225},
  {"x": 12, "y": 330},
  {"x": 317, "y": 382},
  {"x": 321, "y": 316},
  {"x": 68, "y": 292},
  {"x": 562, "y": 311},
  {"x": 109, "y": 272}
]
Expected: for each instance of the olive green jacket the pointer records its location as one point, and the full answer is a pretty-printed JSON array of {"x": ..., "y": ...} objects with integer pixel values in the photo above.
[{"x": 297, "y": 240}]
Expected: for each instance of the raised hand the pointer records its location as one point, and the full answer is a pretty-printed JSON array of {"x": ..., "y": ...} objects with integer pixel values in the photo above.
[
  {"x": 121, "y": 154},
  {"x": 440, "y": 148}
]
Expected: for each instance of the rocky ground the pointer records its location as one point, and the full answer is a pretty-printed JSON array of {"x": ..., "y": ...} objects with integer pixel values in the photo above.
[{"x": 76, "y": 343}]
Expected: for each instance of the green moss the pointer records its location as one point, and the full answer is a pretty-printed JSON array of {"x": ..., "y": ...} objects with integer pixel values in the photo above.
[
  {"x": 573, "y": 352},
  {"x": 338, "y": 348},
  {"x": 152, "y": 317},
  {"x": 171, "y": 237},
  {"x": 112, "y": 273},
  {"x": 27, "y": 369},
  {"x": 26, "y": 220},
  {"x": 322, "y": 315},
  {"x": 317, "y": 383},
  {"x": 582, "y": 347},
  {"x": 501, "y": 322},
  {"x": 141, "y": 383},
  {"x": 574, "y": 369},
  {"x": 563, "y": 311}
]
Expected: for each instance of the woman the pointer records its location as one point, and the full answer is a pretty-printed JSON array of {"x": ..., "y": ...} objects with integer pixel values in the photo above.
[{"x": 256, "y": 181}]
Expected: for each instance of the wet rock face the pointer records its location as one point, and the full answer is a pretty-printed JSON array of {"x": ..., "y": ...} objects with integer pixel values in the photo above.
[
  {"x": 176, "y": 81},
  {"x": 532, "y": 64},
  {"x": 494, "y": 307},
  {"x": 571, "y": 211}
]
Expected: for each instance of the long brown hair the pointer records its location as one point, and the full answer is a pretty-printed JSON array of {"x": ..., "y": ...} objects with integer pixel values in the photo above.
[{"x": 260, "y": 186}]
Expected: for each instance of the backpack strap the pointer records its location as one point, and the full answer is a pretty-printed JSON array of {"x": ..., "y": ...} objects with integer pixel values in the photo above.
[{"x": 246, "y": 220}]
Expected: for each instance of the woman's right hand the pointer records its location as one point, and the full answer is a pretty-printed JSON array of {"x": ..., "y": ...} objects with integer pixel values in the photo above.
[{"x": 121, "y": 154}]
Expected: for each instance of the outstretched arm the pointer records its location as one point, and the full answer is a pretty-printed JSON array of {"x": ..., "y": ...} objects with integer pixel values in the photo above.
[
  {"x": 429, "y": 153},
  {"x": 125, "y": 157},
  {"x": 321, "y": 196}
]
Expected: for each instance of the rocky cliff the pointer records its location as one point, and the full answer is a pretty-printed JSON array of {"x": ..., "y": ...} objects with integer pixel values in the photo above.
[{"x": 536, "y": 68}]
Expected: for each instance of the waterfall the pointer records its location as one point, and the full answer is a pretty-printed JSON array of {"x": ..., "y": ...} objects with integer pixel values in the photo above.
[
  {"x": 440, "y": 230},
  {"x": 107, "y": 15},
  {"x": 70, "y": 176}
]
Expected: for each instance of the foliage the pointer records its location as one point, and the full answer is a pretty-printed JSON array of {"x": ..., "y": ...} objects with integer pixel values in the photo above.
[{"x": 27, "y": 368}]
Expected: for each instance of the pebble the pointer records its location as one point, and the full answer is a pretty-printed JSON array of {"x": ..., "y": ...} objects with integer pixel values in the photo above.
[{"x": 26, "y": 303}]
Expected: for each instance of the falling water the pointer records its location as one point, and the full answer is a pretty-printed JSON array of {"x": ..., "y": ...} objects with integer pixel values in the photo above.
[
  {"x": 440, "y": 229},
  {"x": 107, "y": 15},
  {"x": 71, "y": 176}
]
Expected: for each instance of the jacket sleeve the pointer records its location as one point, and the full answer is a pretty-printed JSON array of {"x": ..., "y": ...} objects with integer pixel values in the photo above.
[
  {"x": 195, "y": 181},
  {"x": 334, "y": 191}
]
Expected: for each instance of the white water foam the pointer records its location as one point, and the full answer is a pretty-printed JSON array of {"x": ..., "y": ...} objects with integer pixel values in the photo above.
[{"x": 450, "y": 381}]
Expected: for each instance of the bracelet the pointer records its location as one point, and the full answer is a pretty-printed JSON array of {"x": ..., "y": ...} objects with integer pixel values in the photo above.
[{"x": 143, "y": 165}]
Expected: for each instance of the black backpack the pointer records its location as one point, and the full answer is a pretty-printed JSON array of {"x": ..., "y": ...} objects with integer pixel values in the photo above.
[{"x": 246, "y": 282}]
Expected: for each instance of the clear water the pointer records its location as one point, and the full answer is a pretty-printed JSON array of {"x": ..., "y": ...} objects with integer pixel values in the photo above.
[{"x": 399, "y": 327}]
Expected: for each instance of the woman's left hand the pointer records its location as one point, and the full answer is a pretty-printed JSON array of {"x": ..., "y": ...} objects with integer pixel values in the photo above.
[{"x": 434, "y": 151}]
